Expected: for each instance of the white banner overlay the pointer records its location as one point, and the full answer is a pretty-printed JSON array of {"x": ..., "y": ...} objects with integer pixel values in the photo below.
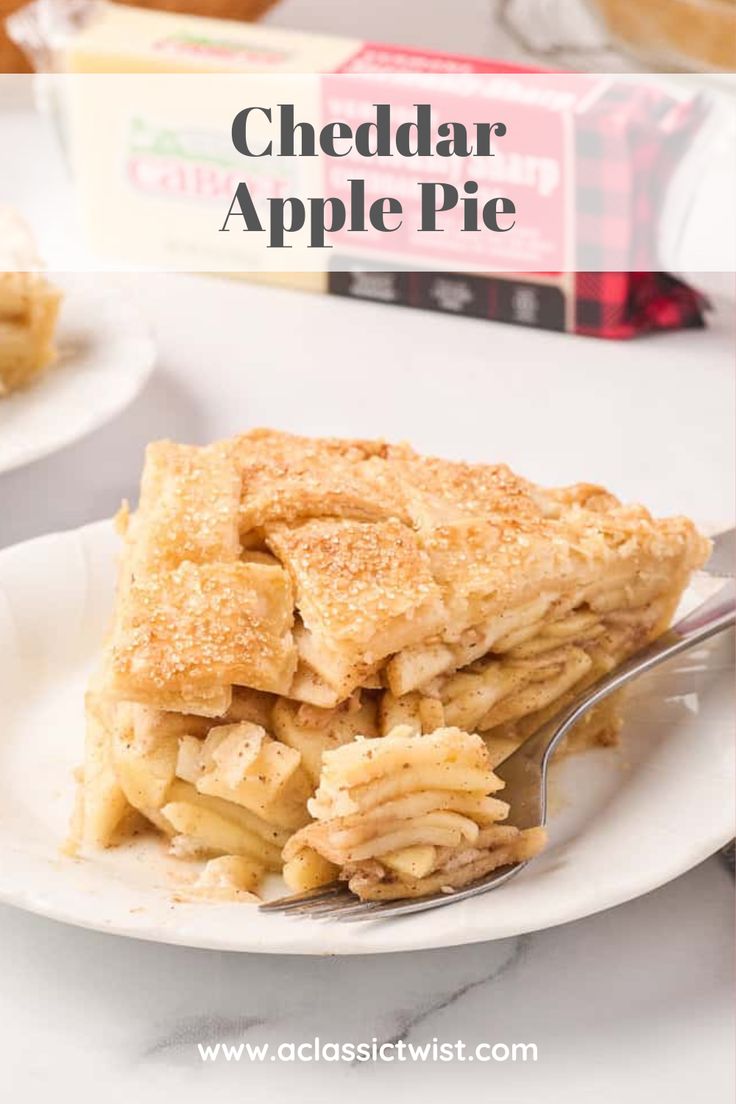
[{"x": 472, "y": 172}]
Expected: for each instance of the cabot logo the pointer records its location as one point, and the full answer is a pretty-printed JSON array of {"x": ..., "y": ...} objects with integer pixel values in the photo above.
[{"x": 190, "y": 164}]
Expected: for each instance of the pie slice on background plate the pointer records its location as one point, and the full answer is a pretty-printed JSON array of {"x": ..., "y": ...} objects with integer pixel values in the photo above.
[{"x": 29, "y": 307}]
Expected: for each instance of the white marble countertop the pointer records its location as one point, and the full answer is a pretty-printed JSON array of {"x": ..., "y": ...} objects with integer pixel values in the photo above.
[{"x": 633, "y": 1004}]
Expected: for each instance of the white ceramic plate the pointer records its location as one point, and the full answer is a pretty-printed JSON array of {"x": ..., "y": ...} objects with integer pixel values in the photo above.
[
  {"x": 624, "y": 821},
  {"x": 105, "y": 356}
]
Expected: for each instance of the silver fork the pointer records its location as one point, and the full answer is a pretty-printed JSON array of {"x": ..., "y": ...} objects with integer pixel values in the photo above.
[{"x": 525, "y": 772}]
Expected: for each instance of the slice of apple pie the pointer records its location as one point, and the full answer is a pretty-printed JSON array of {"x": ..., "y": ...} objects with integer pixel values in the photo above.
[{"x": 301, "y": 624}]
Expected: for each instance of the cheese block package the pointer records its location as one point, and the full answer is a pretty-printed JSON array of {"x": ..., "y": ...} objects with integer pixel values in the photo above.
[{"x": 589, "y": 181}]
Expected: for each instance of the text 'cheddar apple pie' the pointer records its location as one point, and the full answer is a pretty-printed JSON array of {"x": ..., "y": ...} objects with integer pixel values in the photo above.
[{"x": 321, "y": 649}]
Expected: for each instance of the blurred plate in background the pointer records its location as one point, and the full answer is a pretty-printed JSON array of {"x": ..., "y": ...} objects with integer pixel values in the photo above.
[{"x": 106, "y": 355}]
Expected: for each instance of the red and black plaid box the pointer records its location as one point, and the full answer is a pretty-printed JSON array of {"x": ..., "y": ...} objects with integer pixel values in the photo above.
[{"x": 627, "y": 140}]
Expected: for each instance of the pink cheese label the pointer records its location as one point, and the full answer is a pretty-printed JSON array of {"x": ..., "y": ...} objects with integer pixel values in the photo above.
[{"x": 532, "y": 161}]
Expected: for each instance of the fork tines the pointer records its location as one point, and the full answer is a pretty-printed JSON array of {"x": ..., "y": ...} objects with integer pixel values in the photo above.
[{"x": 334, "y": 901}]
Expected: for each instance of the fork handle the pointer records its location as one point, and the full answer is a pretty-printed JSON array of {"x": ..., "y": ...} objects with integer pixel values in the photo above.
[{"x": 713, "y": 616}]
